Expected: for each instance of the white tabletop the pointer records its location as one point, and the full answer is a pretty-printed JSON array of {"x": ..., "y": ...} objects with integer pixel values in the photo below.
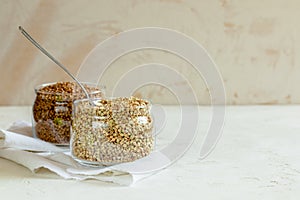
[{"x": 257, "y": 157}]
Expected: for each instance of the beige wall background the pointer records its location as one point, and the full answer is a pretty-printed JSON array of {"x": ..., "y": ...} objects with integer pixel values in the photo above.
[{"x": 254, "y": 43}]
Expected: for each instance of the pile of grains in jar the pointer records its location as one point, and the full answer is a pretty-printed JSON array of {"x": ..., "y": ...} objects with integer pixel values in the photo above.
[
  {"x": 111, "y": 131},
  {"x": 52, "y": 109}
]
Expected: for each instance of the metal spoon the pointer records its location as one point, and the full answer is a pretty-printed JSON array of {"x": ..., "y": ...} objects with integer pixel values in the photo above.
[{"x": 54, "y": 60}]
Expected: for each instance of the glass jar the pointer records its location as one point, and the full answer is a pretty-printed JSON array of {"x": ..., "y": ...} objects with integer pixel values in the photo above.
[
  {"x": 111, "y": 131},
  {"x": 52, "y": 109}
]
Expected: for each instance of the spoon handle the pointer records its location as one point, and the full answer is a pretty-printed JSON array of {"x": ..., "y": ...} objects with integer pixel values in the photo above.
[{"x": 35, "y": 43}]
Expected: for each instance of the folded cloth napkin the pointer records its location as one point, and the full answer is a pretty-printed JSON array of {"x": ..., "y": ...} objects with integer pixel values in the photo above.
[{"x": 18, "y": 145}]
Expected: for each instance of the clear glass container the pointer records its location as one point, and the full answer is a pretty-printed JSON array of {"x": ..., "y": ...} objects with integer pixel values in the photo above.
[
  {"x": 111, "y": 131},
  {"x": 52, "y": 109}
]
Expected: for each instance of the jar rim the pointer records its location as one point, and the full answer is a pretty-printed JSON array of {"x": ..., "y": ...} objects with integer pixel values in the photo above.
[
  {"x": 96, "y": 100},
  {"x": 38, "y": 88}
]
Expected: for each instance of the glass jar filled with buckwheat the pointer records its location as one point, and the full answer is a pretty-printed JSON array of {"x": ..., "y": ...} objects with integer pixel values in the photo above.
[
  {"x": 52, "y": 109},
  {"x": 111, "y": 131}
]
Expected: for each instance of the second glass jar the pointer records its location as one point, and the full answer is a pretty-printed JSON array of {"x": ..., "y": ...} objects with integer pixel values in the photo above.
[
  {"x": 111, "y": 131},
  {"x": 52, "y": 109}
]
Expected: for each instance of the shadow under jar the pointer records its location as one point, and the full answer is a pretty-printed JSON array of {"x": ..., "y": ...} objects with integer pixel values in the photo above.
[
  {"x": 111, "y": 131},
  {"x": 52, "y": 109}
]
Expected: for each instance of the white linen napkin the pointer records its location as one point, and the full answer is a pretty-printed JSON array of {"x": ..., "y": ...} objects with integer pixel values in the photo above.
[{"x": 18, "y": 145}]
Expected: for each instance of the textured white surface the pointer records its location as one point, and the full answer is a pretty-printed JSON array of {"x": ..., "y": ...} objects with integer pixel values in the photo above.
[{"x": 257, "y": 157}]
